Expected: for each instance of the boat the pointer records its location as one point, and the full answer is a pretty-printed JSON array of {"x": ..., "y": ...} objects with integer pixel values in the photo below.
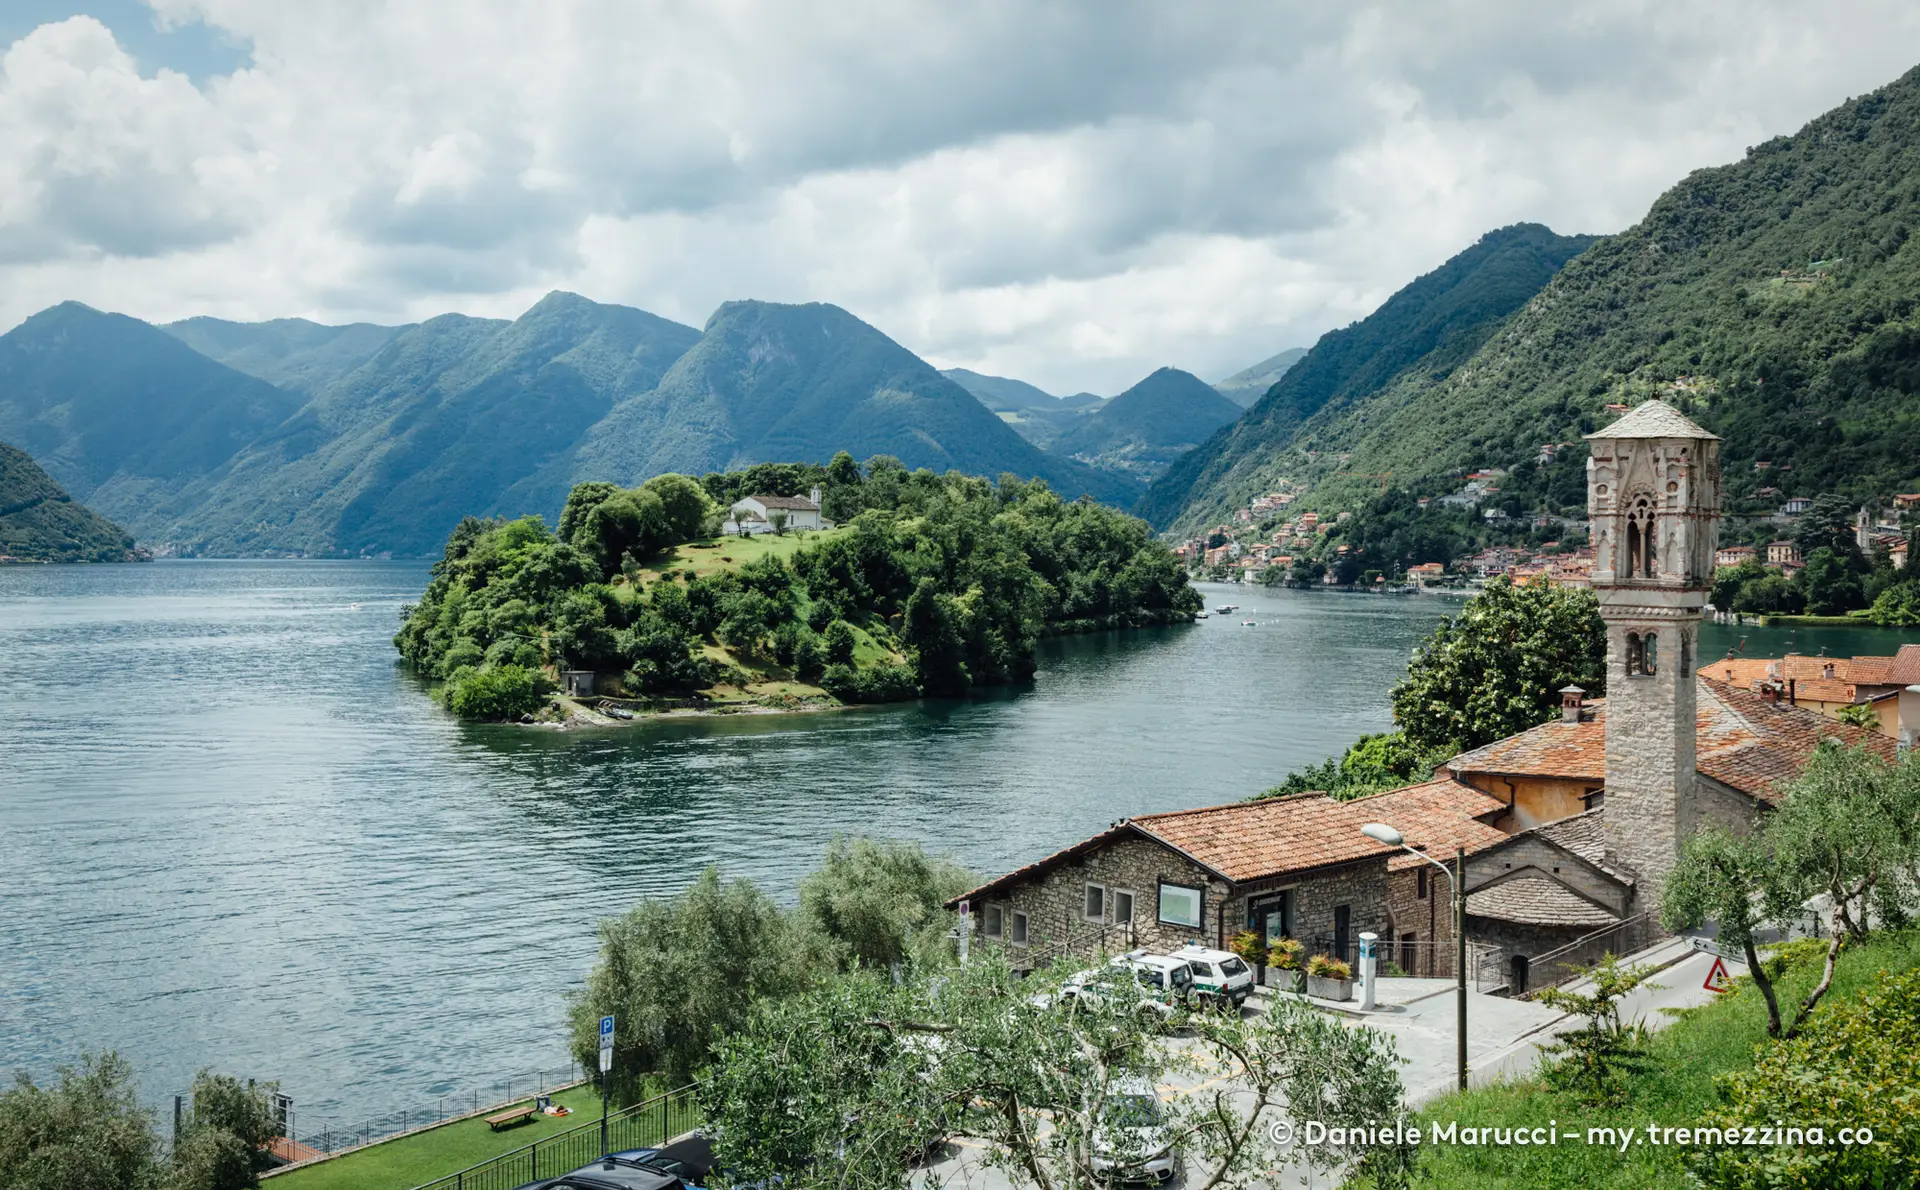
[
  {"x": 1224, "y": 608},
  {"x": 1246, "y": 623},
  {"x": 1200, "y": 615}
]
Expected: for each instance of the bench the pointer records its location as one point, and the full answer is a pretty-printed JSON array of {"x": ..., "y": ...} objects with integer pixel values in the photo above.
[{"x": 512, "y": 1115}]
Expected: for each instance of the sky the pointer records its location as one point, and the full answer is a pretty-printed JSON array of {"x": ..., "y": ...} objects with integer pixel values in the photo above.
[{"x": 1072, "y": 193}]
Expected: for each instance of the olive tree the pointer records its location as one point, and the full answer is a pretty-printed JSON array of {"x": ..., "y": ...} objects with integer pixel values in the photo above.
[
  {"x": 84, "y": 1130},
  {"x": 848, "y": 1086},
  {"x": 880, "y": 901}
]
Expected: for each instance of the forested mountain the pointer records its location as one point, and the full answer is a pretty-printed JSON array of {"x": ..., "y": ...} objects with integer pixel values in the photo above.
[
  {"x": 290, "y": 352},
  {"x": 1036, "y": 415},
  {"x": 124, "y": 416},
  {"x": 1248, "y": 385},
  {"x": 222, "y": 438},
  {"x": 1427, "y": 329},
  {"x": 1145, "y": 428},
  {"x": 780, "y": 383},
  {"x": 39, "y": 522},
  {"x": 1773, "y": 301},
  {"x": 1000, "y": 393}
]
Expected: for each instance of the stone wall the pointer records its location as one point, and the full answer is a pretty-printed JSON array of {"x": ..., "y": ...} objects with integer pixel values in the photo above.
[
  {"x": 1650, "y": 742},
  {"x": 1429, "y": 919},
  {"x": 1056, "y": 902}
]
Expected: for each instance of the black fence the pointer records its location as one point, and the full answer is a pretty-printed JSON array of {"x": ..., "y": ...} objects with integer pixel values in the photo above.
[
  {"x": 645, "y": 1125},
  {"x": 1567, "y": 962},
  {"x": 309, "y": 1135}
]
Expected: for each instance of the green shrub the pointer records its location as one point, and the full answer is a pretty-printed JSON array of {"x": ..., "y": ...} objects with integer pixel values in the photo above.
[
  {"x": 1325, "y": 966},
  {"x": 497, "y": 692},
  {"x": 1284, "y": 954},
  {"x": 1853, "y": 1067},
  {"x": 878, "y": 683},
  {"x": 1898, "y": 606}
]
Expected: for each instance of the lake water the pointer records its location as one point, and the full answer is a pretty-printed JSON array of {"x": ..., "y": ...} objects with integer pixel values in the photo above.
[{"x": 234, "y": 834}]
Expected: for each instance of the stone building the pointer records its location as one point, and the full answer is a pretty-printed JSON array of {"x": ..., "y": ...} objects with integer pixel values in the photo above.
[{"x": 1293, "y": 866}]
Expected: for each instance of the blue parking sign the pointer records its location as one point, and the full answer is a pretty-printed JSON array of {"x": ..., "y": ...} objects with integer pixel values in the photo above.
[{"x": 606, "y": 1031}]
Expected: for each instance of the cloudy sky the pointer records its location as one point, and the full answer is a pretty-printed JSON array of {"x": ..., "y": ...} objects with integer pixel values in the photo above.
[{"x": 1071, "y": 193}]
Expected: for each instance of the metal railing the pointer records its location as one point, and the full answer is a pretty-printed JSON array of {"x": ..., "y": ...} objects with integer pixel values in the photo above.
[
  {"x": 645, "y": 1125},
  {"x": 1567, "y": 962},
  {"x": 310, "y": 1136},
  {"x": 1428, "y": 959}
]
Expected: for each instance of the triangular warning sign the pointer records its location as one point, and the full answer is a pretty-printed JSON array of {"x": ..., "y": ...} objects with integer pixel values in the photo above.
[{"x": 1717, "y": 978}]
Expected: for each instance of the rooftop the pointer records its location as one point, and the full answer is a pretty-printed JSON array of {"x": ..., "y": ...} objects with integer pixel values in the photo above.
[
  {"x": 1538, "y": 901},
  {"x": 1653, "y": 419},
  {"x": 791, "y": 503}
]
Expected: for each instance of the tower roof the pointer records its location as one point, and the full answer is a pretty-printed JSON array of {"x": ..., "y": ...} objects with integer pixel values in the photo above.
[{"x": 1653, "y": 419}]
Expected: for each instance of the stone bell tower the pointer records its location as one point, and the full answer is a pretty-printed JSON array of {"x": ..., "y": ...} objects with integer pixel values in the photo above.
[{"x": 1653, "y": 496}]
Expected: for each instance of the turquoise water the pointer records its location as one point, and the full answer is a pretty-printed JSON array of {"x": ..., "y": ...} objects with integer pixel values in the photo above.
[{"x": 233, "y": 833}]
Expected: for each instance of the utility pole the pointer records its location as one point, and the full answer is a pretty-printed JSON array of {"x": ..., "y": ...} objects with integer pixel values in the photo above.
[{"x": 1460, "y": 940}]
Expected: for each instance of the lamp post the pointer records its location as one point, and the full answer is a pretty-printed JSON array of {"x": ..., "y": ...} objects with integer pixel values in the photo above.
[{"x": 1380, "y": 832}]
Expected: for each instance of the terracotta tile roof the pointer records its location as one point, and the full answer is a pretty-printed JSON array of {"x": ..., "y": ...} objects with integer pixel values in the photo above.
[
  {"x": 795, "y": 503},
  {"x": 1757, "y": 745},
  {"x": 1246, "y": 841},
  {"x": 1536, "y": 901},
  {"x": 1803, "y": 668},
  {"x": 1742, "y": 740},
  {"x": 1905, "y": 670},
  {"x": 1556, "y": 748}
]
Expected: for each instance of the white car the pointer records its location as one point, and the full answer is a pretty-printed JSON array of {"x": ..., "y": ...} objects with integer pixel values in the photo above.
[
  {"x": 1130, "y": 1140},
  {"x": 1220, "y": 974},
  {"x": 1164, "y": 983}
]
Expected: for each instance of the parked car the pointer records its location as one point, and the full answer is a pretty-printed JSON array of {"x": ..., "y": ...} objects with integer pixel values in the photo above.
[
  {"x": 1167, "y": 983},
  {"x": 690, "y": 1159},
  {"x": 1130, "y": 1139},
  {"x": 610, "y": 1174},
  {"x": 1219, "y": 974}
]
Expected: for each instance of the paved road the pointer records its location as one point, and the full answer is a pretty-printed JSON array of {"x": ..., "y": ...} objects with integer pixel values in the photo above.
[{"x": 1503, "y": 1040}]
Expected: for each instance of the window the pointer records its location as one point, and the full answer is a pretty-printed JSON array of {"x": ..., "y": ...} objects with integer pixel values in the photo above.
[
  {"x": 1019, "y": 929},
  {"x": 1180, "y": 905},
  {"x": 1650, "y": 654},
  {"x": 1096, "y": 904},
  {"x": 1233, "y": 966},
  {"x": 1596, "y": 797},
  {"x": 1122, "y": 907},
  {"x": 1420, "y": 882},
  {"x": 992, "y": 921}
]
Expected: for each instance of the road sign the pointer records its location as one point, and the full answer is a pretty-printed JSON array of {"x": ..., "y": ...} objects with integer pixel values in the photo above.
[
  {"x": 606, "y": 1044},
  {"x": 1717, "y": 978}
]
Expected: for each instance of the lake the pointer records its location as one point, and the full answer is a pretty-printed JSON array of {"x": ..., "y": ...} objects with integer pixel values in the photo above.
[{"x": 234, "y": 834}]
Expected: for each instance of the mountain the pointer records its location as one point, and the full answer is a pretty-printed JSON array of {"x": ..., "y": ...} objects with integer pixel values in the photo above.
[
  {"x": 441, "y": 422},
  {"x": 1772, "y": 300},
  {"x": 1001, "y": 394},
  {"x": 123, "y": 415},
  {"x": 1428, "y": 328},
  {"x": 292, "y": 353},
  {"x": 39, "y": 522},
  {"x": 1145, "y": 428},
  {"x": 1248, "y": 385},
  {"x": 771, "y": 383}
]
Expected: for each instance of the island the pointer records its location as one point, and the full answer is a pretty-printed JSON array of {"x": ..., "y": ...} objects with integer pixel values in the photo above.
[{"x": 779, "y": 587}]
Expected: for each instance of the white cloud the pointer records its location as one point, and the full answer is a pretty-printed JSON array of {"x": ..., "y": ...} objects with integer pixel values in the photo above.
[{"x": 1071, "y": 192}]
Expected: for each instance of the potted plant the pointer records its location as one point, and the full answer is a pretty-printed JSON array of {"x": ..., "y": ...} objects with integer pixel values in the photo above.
[
  {"x": 1329, "y": 978},
  {"x": 1284, "y": 955},
  {"x": 1252, "y": 949}
]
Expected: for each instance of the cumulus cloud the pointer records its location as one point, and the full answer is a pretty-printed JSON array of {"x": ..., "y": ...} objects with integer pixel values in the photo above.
[{"x": 1072, "y": 192}]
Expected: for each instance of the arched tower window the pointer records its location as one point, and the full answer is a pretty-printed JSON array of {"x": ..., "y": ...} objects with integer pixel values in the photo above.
[
  {"x": 1650, "y": 654},
  {"x": 1643, "y": 551},
  {"x": 1633, "y": 653}
]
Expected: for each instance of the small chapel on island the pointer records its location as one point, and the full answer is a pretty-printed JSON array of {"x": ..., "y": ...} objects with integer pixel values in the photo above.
[{"x": 1569, "y": 829}]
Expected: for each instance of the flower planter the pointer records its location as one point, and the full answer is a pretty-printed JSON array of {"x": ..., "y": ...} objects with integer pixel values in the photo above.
[{"x": 1322, "y": 988}]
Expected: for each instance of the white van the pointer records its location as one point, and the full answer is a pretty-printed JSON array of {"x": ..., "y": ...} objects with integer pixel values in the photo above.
[{"x": 1217, "y": 973}]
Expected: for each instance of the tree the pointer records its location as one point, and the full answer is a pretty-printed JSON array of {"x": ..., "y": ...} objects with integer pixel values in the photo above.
[
  {"x": 843, "y": 1087},
  {"x": 685, "y": 509},
  {"x": 1497, "y": 667},
  {"x": 1769, "y": 595},
  {"x": 1595, "y": 1059},
  {"x": 1731, "y": 881},
  {"x": 584, "y": 498},
  {"x": 496, "y": 692},
  {"x": 879, "y": 902},
  {"x": 678, "y": 973},
  {"x": 1831, "y": 583},
  {"x": 1898, "y": 606},
  {"x": 1828, "y": 525},
  {"x": 223, "y": 1146},
  {"x": 86, "y": 1130},
  {"x": 628, "y": 523}
]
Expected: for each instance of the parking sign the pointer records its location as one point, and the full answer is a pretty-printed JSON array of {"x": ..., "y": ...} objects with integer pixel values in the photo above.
[{"x": 606, "y": 1044}]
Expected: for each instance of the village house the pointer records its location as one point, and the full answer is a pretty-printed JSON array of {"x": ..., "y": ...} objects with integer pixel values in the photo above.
[
  {"x": 1796, "y": 507},
  {"x": 1831, "y": 684},
  {"x": 1784, "y": 554},
  {"x": 766, "y": 514},
  {"x": 1909, "y": 502},
  {"x": 1427, "y": 572},
  {"x": 1733, "y": 555}
]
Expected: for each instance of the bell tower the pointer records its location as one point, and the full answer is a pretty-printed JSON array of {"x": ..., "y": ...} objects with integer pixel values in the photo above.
[{"x": 1653, "y": 499}]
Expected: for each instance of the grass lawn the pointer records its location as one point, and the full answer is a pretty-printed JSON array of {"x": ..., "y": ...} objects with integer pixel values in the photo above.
[
  {"x": 701, "y": 558},
  {"x": 424, "y": 1156},
  {"x": 1676, "y": 1089}
]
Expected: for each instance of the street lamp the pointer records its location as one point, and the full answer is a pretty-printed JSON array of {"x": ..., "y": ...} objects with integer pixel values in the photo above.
[{"x": 1380, "y": 832}]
